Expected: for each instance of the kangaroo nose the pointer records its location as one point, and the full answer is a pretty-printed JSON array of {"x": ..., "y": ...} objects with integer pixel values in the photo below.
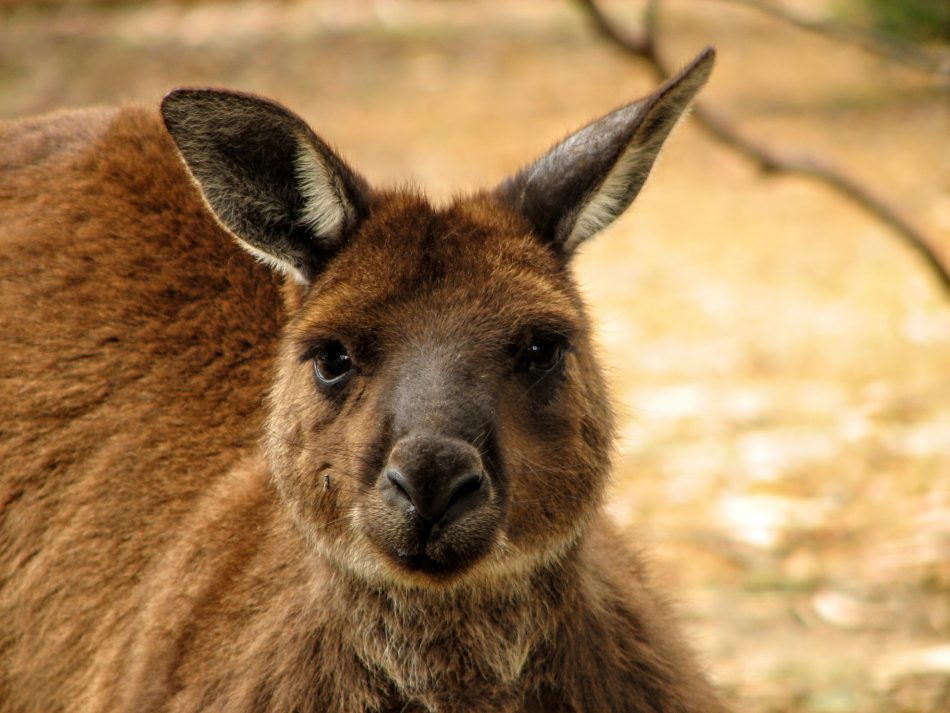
[
  {"x": 439, "y": 478},
  {"x": 437, "y": 504}
]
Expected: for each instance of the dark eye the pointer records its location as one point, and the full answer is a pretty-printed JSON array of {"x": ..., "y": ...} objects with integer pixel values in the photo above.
[
  {"x": 543, "y": 353},
  {"x": 331, "y": 363}
]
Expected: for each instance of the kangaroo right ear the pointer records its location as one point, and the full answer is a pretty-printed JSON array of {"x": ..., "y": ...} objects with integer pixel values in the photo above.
[
  {"x": 585, "y": 182},
  {"x": 269, "y": 180}
]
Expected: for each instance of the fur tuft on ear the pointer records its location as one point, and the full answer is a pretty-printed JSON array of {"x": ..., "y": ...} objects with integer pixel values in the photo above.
[
  {"x": 585, "y": 182},
  {"x": 269, "y": 180}
]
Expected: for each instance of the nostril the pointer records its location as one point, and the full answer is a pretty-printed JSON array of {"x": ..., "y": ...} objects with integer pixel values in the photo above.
[
  {"x": 466, "y": 485},
  {"x": 465, "y": 494},
  {"x": 399, "y": 490},
  {"x": 398, "y": 481}
]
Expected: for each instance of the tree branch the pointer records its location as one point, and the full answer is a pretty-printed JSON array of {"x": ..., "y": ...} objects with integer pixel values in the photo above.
[{"x": 771, "y": 161}]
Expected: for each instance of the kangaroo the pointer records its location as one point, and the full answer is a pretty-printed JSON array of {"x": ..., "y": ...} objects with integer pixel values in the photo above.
[{"x": 274, "y": 440}]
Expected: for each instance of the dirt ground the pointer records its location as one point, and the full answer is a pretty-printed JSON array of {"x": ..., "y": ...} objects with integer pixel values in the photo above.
[{"x": 779, "y": 359}]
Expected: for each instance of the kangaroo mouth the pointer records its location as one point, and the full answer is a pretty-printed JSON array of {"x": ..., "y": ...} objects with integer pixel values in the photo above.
[
  {"x": 424, "y": 564},
  {"x": 439, "y": 556}
]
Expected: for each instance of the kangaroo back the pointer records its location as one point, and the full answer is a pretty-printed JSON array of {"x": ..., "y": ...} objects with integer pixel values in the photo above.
[{"x": 135, "y": 343}]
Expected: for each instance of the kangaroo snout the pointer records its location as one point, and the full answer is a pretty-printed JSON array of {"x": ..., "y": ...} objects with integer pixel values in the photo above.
[
  {"x": 434, "y": 510},
  {"x": 435, "y": 478}
]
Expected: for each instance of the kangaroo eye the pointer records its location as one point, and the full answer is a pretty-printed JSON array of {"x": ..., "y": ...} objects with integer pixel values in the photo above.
[
  {"x": 543, "y": 353},
  {"x": 331, "y": 363}
]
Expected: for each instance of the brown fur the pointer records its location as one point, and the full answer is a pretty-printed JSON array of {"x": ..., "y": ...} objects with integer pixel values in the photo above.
[{"x": 155, "y": 557}]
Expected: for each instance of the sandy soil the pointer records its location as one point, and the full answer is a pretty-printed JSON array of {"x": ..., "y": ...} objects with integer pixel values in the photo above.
[{"x": 779, "y": 359}]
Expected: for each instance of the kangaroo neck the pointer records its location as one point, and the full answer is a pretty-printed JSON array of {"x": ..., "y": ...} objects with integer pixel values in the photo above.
[{"x": 454, "y": 650}]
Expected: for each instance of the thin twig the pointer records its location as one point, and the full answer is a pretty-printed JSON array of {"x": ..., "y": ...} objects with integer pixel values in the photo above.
[{"x": 768, "y": 159}]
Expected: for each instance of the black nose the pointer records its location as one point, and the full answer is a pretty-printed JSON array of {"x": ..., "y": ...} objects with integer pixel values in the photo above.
[{"x": 438, "y": 478}]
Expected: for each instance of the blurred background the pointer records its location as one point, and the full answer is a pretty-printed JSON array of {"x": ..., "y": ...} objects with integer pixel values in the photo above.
[{"x": 780, "y": 356}]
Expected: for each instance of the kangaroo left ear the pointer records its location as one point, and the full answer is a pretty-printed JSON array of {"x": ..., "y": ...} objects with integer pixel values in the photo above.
[{"x": 582, "y": 184}]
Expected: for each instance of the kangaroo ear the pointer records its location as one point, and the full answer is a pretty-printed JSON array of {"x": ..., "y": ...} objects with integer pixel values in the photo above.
[
  {"x": 582, "y": 184},
  {"x": 269, "y": 180}
]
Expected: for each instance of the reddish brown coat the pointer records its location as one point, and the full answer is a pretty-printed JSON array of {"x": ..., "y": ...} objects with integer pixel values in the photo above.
[{"x": 155, "y": 557}]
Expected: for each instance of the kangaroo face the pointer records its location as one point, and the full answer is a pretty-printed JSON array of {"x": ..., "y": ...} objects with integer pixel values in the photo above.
[
  {"x": 436, "y": 404},
  {"x": 437, "y": 412}
]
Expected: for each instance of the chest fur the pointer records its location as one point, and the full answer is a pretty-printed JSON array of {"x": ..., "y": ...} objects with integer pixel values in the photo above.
[{"x": 449, "y": 654}]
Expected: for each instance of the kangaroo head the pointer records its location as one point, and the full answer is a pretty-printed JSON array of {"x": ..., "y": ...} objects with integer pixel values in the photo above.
[{"x": 438, "y": 413}]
